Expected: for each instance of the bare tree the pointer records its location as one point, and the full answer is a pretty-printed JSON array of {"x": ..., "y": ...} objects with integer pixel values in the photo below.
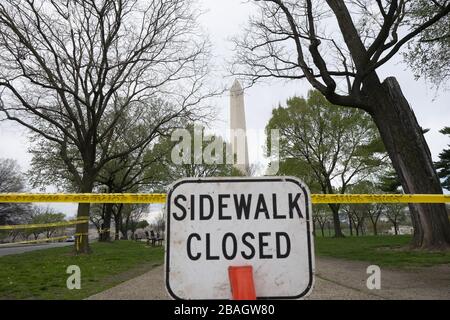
[
  {"x": 357, "y": 215},
  {"x": 374, "y": 212},
  {"x": 337, "y": 46},
  {"x": 396, "y": 214},
  {"x": 12, "y": 180},
  {"x": 97, "y": 216},
  {"x": 321, "y": 216},
  {"x": 159, "y": 224},
  {"x": 130, "y": 217},
  {"x": 129, "y": 173},
  {"x": 71, "y": 69}
]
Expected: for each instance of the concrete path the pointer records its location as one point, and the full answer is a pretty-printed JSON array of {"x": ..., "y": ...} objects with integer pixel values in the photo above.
[
  {"x": 335, "y": 279},
  {"x": 16, "y": 249}
]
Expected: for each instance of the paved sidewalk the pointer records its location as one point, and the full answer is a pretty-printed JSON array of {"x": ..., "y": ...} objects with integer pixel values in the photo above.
[
  {"x": 335, "y": 279},
  {"x": 17, "y": 249}
]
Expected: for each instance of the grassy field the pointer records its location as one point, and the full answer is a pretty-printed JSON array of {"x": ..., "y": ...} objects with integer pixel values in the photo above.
[
  {"x": 42, "y": 274},
  {"x": 390, "y": 251}
]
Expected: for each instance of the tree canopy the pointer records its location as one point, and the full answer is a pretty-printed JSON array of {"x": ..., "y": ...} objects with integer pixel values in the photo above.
[
  {"x": 429, "y": 54},
  {"x": 331, "y": 147},
  {"x": 443, "y": 165}
]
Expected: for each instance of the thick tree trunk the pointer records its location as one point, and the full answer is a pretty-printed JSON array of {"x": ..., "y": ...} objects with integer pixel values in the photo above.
[
  {"x": 82, "y": 230},
  {"x": 125, "y": 227},
  {"x": 118, "y": 221},
  {"x": 418, "y": 231},
  {"x": 106, "y": 225},
  {"x": 411, "y": 158},
  {"x": 336, "y": 221},
  {"x": 117, "y": 228}
]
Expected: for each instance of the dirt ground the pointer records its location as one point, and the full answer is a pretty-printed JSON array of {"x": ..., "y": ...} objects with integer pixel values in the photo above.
[{"x": 335, "y": 279}]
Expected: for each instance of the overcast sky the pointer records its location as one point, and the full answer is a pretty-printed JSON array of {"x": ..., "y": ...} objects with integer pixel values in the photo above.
[{"x": 224, "y": 19}]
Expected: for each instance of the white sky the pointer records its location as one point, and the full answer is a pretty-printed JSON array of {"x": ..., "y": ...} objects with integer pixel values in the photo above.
[{"x": 224, "y": 19}]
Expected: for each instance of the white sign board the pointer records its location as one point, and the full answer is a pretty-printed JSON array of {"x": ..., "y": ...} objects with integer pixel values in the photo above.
[{"x": 214, "y": 223}]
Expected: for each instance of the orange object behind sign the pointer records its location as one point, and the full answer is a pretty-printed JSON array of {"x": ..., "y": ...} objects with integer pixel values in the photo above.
[{"x": 241, "y": 281}]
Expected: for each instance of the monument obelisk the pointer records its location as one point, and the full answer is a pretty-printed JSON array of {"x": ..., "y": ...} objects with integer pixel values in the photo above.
[{"x": 238, "y": 131}]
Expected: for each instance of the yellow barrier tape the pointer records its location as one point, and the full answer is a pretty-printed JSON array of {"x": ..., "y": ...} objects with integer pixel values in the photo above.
[
  {"x": 44, "y": 225},
  {"x": 85, "y": 197},
  {"x": 380, "y": 198},
  {"x": 34, "y": 241},
  {"x": 161, "y": 198},
  {"x": 78, "y": 239}
]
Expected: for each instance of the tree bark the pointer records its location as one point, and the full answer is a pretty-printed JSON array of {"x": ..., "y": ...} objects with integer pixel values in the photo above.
[
  {"x": 336, "y": 221},
  {"x": 418, "y": 231},
  {"x": 350, "y": 224},
  {"x": 82, "y": 230},
  {"x": 118, "y": 222},
  {"x": 411, "y": 158},
  {"x": 106, "y": 225},
  {"x": 375, "y": 230}
]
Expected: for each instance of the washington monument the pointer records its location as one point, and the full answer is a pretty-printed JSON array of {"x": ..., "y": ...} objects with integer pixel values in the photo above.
[{"x": 238, "y": 134}]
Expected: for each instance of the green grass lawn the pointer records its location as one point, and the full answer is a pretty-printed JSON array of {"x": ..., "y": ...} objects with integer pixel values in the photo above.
[
  {"x": 42, "y": 274},
  {"x": 391, "y": 251}
]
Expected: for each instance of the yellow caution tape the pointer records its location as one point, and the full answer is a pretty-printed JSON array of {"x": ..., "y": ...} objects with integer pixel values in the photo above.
[
  {"x": 78, "y": 239},
  {"x": 85, "y": 197},
  {"x": 44, "y": 225},
  {"x": 380, "y": 198},
  {"x": 161, "y": 198},
  {"x": 34, "y": 241}
]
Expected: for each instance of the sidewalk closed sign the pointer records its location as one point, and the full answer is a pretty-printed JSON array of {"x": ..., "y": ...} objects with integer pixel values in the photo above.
[{"x": 214, "y": 223}]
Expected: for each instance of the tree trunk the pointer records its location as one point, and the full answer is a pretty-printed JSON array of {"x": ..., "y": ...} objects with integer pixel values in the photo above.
[
  {"x": 118, "y": 222},
  {"x": 117, "y": 227},
  {"x": 125, "y": 228},
  {"x": 411, "y": 158},
  {"x": 82, "y": 230},
  {"x": 336, "y": 221},
  {"x": 418, "y": 231},
  {"x": 322, "y": 228},
  {"x": 106, "y": 225},
  {"x": 375, "y": 231},
  {"x": 350, "y": 224}
]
